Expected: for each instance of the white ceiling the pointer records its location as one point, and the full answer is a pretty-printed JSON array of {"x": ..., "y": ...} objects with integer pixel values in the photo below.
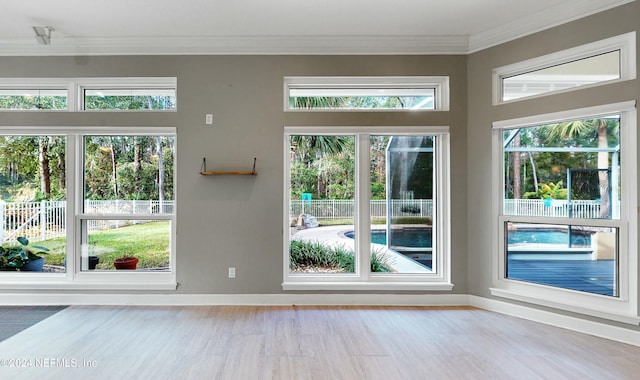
[{"x": 98, "y": 27}]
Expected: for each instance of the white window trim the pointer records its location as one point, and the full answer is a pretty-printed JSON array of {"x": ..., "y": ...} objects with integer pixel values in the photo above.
[
  {"x": 41, "y": 84},
  {"x": 623, "y": 308},
  {"x": 362, "y": 279},
  {"x": 440, "y": 85},
  {"x": 625, "y": 43},
  {"x": 75, "y": 88},
  {"x": 121, "y": 83},
  {"x": 74, "y": 278}
]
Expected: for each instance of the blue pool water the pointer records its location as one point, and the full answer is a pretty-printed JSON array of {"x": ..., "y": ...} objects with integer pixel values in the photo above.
[
  {"x": 407, "y": 237},
  {"x": 421, "y": 237},
  {"x": 546, "y": 236}
]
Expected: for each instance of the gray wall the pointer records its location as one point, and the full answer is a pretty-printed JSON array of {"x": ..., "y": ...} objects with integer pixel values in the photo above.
[
  {"x": 482, "y": 113},
  {"x": 236, "y": 221}
]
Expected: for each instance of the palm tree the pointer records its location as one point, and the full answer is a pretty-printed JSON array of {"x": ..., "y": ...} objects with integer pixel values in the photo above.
[
  {"x": 316, "y": 102},
  {"x": 577, "y": 128}
]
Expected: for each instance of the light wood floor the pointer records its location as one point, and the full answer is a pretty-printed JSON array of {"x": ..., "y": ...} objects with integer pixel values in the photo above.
[{"x": 233, "y": 342}]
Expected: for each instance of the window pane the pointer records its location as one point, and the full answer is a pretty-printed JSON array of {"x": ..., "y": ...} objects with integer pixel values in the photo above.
[
  {"x": 572, "y": 257},
  {"x": 33, "y": 197},
  {"x": 402, "y": 184},
  {"x": 130, "y": 99},
  {"x": 128, "y": 174},
  {"x": 321, "y": 208},
  {"x": 361, "y": 99},
  {"x": 33, "y": 99},
  {"x": 582, "y": 72},
  {"x": 108, "y": 240},
  {"x": 570, "y": 169}
]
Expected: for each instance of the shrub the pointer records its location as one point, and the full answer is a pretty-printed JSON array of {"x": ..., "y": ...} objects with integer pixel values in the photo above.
[{"x": 315, "y": 254}]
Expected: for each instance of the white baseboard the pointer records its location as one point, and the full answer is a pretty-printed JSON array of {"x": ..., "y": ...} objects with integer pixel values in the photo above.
[
  {"x": 598, "y": 329},
  {"x": 236, "y": 299}
]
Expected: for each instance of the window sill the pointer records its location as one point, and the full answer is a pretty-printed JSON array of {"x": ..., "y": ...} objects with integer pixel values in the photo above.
[
  {"x": 87, "y": 286},
  {"x": 98, "y": 281},
  {"x": 344, "y": 285}
]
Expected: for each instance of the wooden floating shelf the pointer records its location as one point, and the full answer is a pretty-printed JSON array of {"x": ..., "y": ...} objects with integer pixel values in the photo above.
[
  {"x": 203, "y": 170},
  {"x": 228, "y": 173}
]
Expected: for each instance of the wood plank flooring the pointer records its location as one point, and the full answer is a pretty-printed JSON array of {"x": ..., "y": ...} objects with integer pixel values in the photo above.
[{"x": 247, "y": 342}]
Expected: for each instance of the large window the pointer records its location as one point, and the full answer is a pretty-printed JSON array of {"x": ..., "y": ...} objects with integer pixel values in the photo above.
[
  {"x": 366, "y": 93},
  {"x": 597, "y": 63},
  {"x": 566, "y": 218},
  {"x": 368, "y": 208},
  {"x": 87, "y": 198}
]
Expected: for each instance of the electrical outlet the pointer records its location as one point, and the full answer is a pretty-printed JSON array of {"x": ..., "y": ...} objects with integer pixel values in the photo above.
[
  {"x": 232, "y": 272},
  {"x": 208, "y": 119}
]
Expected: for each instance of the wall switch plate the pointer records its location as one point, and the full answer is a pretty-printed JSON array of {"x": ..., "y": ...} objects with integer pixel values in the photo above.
[
  {"x": 208, "y": 119},
  {"x": 232, "y": 272}
]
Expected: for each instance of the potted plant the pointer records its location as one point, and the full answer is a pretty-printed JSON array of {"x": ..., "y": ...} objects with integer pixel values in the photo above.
[
  {"x": 126, "y": 262},
  {"x": 22, "y": 257},
  {"x": 10, "y": 259},
  {"x": 93, "y": 261}
]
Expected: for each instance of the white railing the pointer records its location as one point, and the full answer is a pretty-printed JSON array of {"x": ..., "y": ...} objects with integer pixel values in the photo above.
[
  {"x": 46, "y": 219},
  {"x": 344, "y": 209},
  {"x": 120, "y": 206},
  {"x": 586, "y": 209}
]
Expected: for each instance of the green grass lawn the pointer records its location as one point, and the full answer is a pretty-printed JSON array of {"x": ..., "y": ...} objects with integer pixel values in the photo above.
[{"x": 149, "y": 242}]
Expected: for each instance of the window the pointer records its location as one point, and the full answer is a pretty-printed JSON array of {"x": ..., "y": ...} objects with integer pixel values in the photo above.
[
  {"x": 597, "y": 63},
  {"x": 368, "y": 208},
  {"x": 33, "y": 99},
  {"x": 33, "y": 94},
  {"x": 93, "y": 94},
  {"x": 90, "y": 196},
  {"x": 128, "y": 94},
  {"x": 366, "y": 93},
  {"x": 566, "y": 230}
]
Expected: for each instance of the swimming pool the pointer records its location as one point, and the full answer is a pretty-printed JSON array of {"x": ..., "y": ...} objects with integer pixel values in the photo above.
[
  {"x": 549, "y": 236},
  {"x": 422, "y": 237},
  {"x": 405, "y": 237}
]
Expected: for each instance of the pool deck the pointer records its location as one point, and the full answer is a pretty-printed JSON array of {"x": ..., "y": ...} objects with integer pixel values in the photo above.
[{"x": 593, "y": 276}]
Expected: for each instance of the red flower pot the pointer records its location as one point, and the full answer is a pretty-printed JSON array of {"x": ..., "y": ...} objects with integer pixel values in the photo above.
[{"x": 126, "y": 263}]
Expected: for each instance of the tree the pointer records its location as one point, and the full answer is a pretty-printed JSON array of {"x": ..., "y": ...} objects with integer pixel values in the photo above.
[
  {"x": 601, "y": 127},
  {"x": 325, "y": 158},
  {"x": 517, "y": 186},
  {"x": 316, "y": 102},
  {"x": 160, "y": 170},
  {"x": 43, "y": 158}
]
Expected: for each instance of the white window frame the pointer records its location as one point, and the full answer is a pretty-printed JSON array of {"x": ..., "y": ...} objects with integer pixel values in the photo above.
[
  {"x": 123, "y": 83},
  {"x": 75, "y": 89},
  {"x": 38, "y": 84},
  {"x": 440, "y": 85},
  {"x": 625, "y": 43},
  {"x": 363, "y": 279},
  {"x": 74, "y": 278},
  {"x": 623, "y": 308}
]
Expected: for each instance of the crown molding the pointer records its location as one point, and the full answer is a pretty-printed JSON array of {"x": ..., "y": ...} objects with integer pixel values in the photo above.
[
  {"x": 60, "y": 45},
  {"x": 560, "y": 14},
  {"x": 241, "y": 45}
]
